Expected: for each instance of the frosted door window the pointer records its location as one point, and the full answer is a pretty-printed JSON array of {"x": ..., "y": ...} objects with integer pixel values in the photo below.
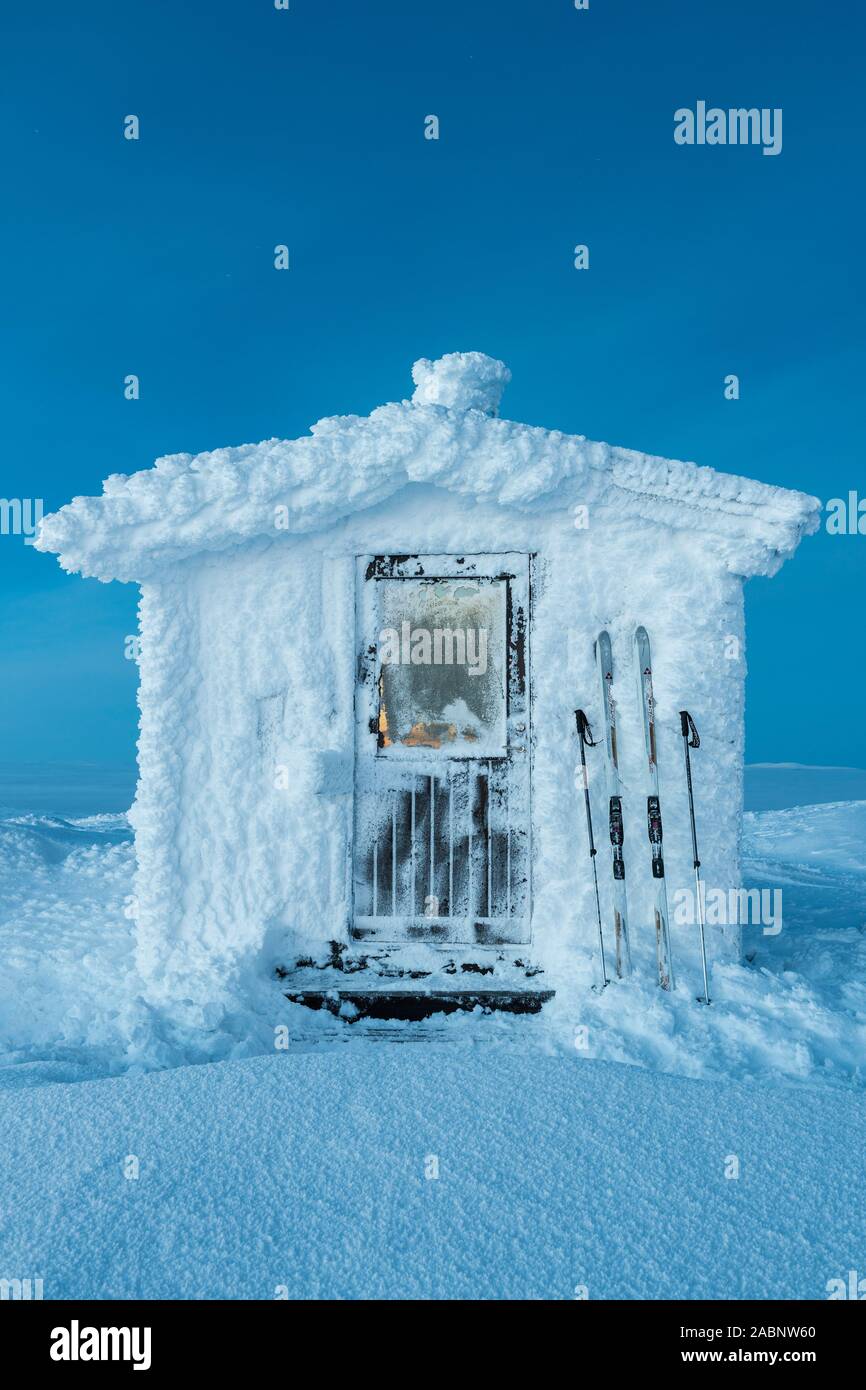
[{"x": 442, "y": 655}]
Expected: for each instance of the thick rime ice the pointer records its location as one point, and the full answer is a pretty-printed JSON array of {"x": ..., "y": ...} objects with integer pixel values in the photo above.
[
  {"x": 213, "y": 501},
  {"x": 461, "y": 381},
  {"x": 247, "y": 561}
]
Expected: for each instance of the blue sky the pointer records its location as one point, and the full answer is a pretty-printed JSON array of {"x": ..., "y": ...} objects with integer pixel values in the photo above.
[{"x": 306, "y": 127}]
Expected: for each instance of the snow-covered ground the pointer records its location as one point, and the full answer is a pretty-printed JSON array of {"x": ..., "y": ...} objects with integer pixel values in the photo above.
[
  {"x": 305, "y": 1169},
  {"x": 314, "y": 1175},
  {"x": 66, "y": 967}
]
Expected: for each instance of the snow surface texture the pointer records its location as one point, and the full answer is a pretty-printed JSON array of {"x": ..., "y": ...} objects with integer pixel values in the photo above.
[
  {"x": 249, "y": 648},
  {"x": 306, "y": 1176},
  {"x": 68, "y": 985},
  {"x": 70, "y": 1002}
]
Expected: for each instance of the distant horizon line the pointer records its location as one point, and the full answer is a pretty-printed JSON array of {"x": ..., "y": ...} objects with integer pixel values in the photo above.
[{"x": 809, "y": 767}]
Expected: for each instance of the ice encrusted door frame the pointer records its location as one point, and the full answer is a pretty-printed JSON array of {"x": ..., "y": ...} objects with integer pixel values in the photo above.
[{"x": 442, "y": 838}]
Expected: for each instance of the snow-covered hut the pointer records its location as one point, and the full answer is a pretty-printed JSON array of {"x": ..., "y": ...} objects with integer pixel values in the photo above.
[{"x": 360, "y": 657}]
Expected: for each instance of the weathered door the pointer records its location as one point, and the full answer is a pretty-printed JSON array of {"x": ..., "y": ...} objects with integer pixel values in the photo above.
[{"x": 442, "y": 752}]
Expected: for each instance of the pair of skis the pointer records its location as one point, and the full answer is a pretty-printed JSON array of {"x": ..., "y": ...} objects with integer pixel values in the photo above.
[{"x": 643, "y": 662}]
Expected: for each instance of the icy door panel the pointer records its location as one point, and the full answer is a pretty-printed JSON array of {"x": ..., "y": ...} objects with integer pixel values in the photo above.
[
  {"x": 442, "y": 845},
  {"x": 443, "y": 856}
]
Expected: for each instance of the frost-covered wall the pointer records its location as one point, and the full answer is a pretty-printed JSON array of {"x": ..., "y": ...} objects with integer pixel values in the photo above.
[
  {"x": 244, "y": 816},
  {"x": 246, "y": 699}
]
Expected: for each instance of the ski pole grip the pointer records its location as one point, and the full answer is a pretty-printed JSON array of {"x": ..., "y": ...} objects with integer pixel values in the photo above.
[
  {"x": 583, "y": 728},
  {"x": 688, "y": 729}
]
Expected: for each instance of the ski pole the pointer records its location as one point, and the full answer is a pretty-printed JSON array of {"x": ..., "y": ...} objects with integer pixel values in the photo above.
[
  {"x": 584, "y": 733},
  {"x": 691, "y": 739}
]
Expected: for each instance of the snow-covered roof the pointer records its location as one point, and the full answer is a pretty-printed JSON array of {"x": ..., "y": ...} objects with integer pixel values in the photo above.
[{"x": 447, "y": 435}]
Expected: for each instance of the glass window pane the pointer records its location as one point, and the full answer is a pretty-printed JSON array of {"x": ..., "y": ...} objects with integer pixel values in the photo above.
[{"x": 442, "y": 654}]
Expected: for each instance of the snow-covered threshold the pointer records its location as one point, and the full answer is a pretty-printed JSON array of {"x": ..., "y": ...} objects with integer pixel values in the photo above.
[{"x": 487, "y": 1157}]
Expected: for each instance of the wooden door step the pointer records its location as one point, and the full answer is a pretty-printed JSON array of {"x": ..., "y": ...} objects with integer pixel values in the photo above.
[{"x": 414, "y": 1005}]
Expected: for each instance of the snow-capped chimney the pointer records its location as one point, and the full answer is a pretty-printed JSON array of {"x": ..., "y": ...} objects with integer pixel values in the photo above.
[{"x": 461, "y": 381}]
